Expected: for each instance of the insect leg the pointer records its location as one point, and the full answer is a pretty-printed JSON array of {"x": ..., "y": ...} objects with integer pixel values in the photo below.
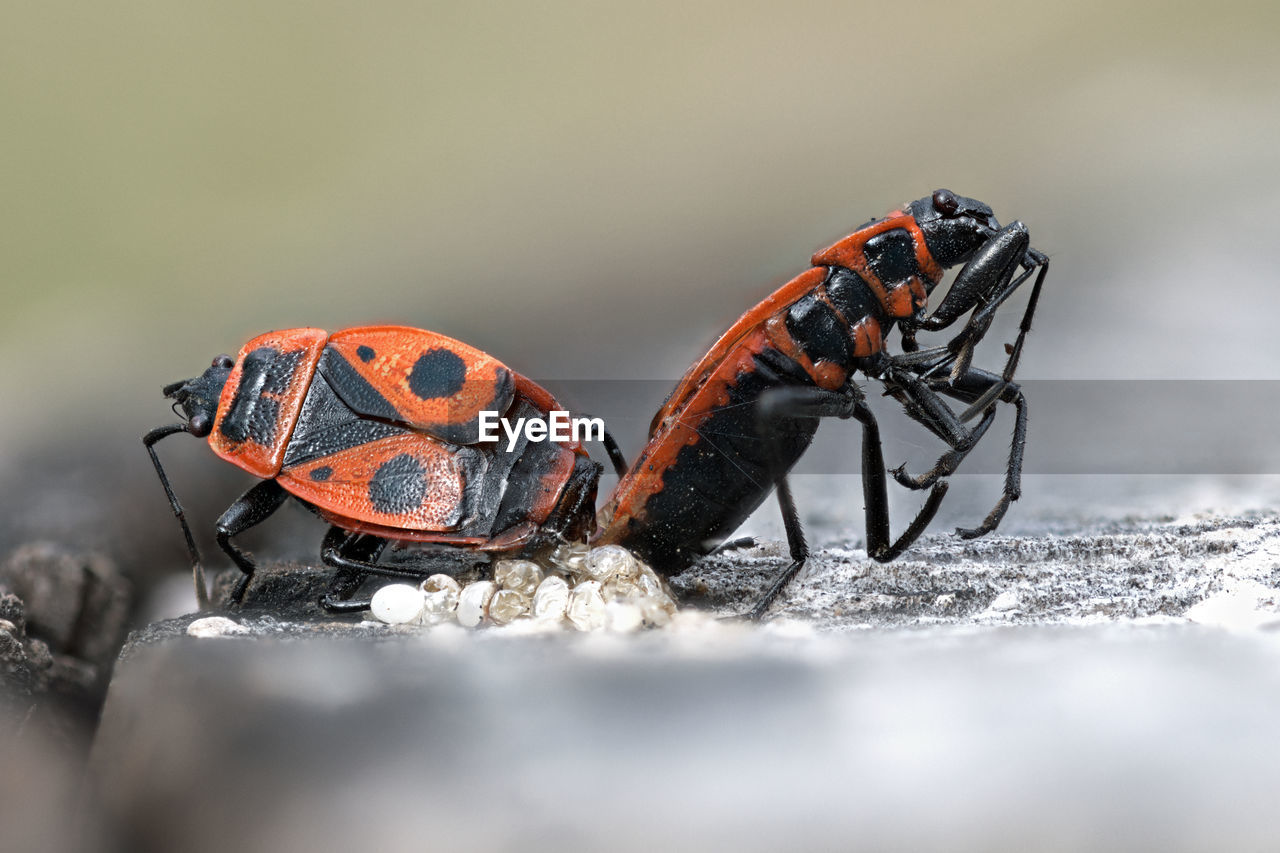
[
  {"x": 351, "y": 554},
  {"x": 615, "y": 454},
  {"x": 922, "y": 403},
  {"x": 984, "y": 280},
  {"x": 848, "y": 402},
  {"x": 982, "y": 389},
  {"x": 876, "y": 494},
  {"x": 978, "y": 384},
  {"x": 963, "y": 344},
  {"x": 616, "y": 458},
  {"x": 795, "y": 543},
  {"x": 251, "y": 509},
  {"x": 1015, "y": 352}
]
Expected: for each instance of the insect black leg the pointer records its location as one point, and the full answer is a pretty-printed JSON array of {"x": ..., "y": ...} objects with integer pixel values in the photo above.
[
  {"x": 963, "y": 344},
  {"x": 848, "y": 402},
  {"x": 978, "y": 385},
  {"x": 1015, "y": 352},
  {"x": 357, "y": 555},
  {"x": 351, "y": 553},
  {"x": 615, "y": 454},
  {"x": 875, "y": 491},
  {"x": 1012, "y": 477},
  {"x": 616, "y": 459},
  {"x": 795, "y": 543},
  {"x": 982, "y": 389},
  {"x": 984, "y": 280},
  {"x": 251, "y": 509},
  {"x": 923, "y": 404},
  {"x": 948, "y": 462}
]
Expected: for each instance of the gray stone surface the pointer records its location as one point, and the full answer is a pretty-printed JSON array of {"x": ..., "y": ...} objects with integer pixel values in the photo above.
[
  {"x": 62, "y": 620},
  {"x": 77, "y": 603},
  {"x": 1106, "y": 685},
  {"x": 1133, "y": 570}
]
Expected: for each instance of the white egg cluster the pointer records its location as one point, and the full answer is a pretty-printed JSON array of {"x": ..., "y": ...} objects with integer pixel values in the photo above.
[{"x": 589, "y": 589}]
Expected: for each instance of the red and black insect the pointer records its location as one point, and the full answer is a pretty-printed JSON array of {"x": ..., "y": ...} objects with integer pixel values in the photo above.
[
  {"x": 745, "y": 413},
  {"x": 376, "y": 429}
]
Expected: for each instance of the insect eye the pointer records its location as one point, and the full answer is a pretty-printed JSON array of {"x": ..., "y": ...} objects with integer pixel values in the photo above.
[
  {"x": 224, "y": 361},
  {"x": 200, "y": 425},
  {"x": 946, "y": 203}
]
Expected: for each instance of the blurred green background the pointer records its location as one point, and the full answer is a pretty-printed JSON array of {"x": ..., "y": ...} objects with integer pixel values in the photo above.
[{"x": 588, "y": 191}]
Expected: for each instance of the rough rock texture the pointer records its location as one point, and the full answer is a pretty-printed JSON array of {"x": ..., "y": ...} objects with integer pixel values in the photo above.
[
  {"x": 62, "y": 620},
  {"x": 78, "y": 603},
  {"x": 1111, "y": 689},
  {"x": 1131, "y": 570}
]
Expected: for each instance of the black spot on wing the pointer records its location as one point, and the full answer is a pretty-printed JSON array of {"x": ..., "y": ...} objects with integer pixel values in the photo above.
[
  {"x": 321, "y": 474},
  {"x": 398, "y": 485},
  {"x": 365, "y": 353},
  {"x": 437, "y": 373}
]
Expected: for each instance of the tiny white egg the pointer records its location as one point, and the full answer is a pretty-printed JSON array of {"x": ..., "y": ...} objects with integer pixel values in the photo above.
[
  {"x": 440, "y": 597},
  {"x": 586, "y": 607},
  {"x": 522, "y": 576},
  {"x": 507, "y": 605},
  {"x": 397, "y": 604},
  {"x": 473, "y": 603},
  {"x": 551, "y": 599},
  {"x": 611, "y": 561}
]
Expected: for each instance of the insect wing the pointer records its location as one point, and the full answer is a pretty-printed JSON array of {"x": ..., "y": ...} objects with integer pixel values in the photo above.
[
  {"x": 408, "y": 482},
  {"x": 418, "y": 378},
  {"x": 746, "y": 324}
]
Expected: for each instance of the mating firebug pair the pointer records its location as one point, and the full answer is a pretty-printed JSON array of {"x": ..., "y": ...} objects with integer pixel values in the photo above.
[{"x": 376, "y": 429}]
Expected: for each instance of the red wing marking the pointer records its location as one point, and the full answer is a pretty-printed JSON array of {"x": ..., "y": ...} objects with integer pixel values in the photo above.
[
  {"x": 825, "y": 374},
  {"x": 408, "y": 482},
  {"x": 434, "y": 383},
  {"x": 678, "y": 429},
  {"x": 847, "y": 252},
  {"x": 777, "y": 301}
]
